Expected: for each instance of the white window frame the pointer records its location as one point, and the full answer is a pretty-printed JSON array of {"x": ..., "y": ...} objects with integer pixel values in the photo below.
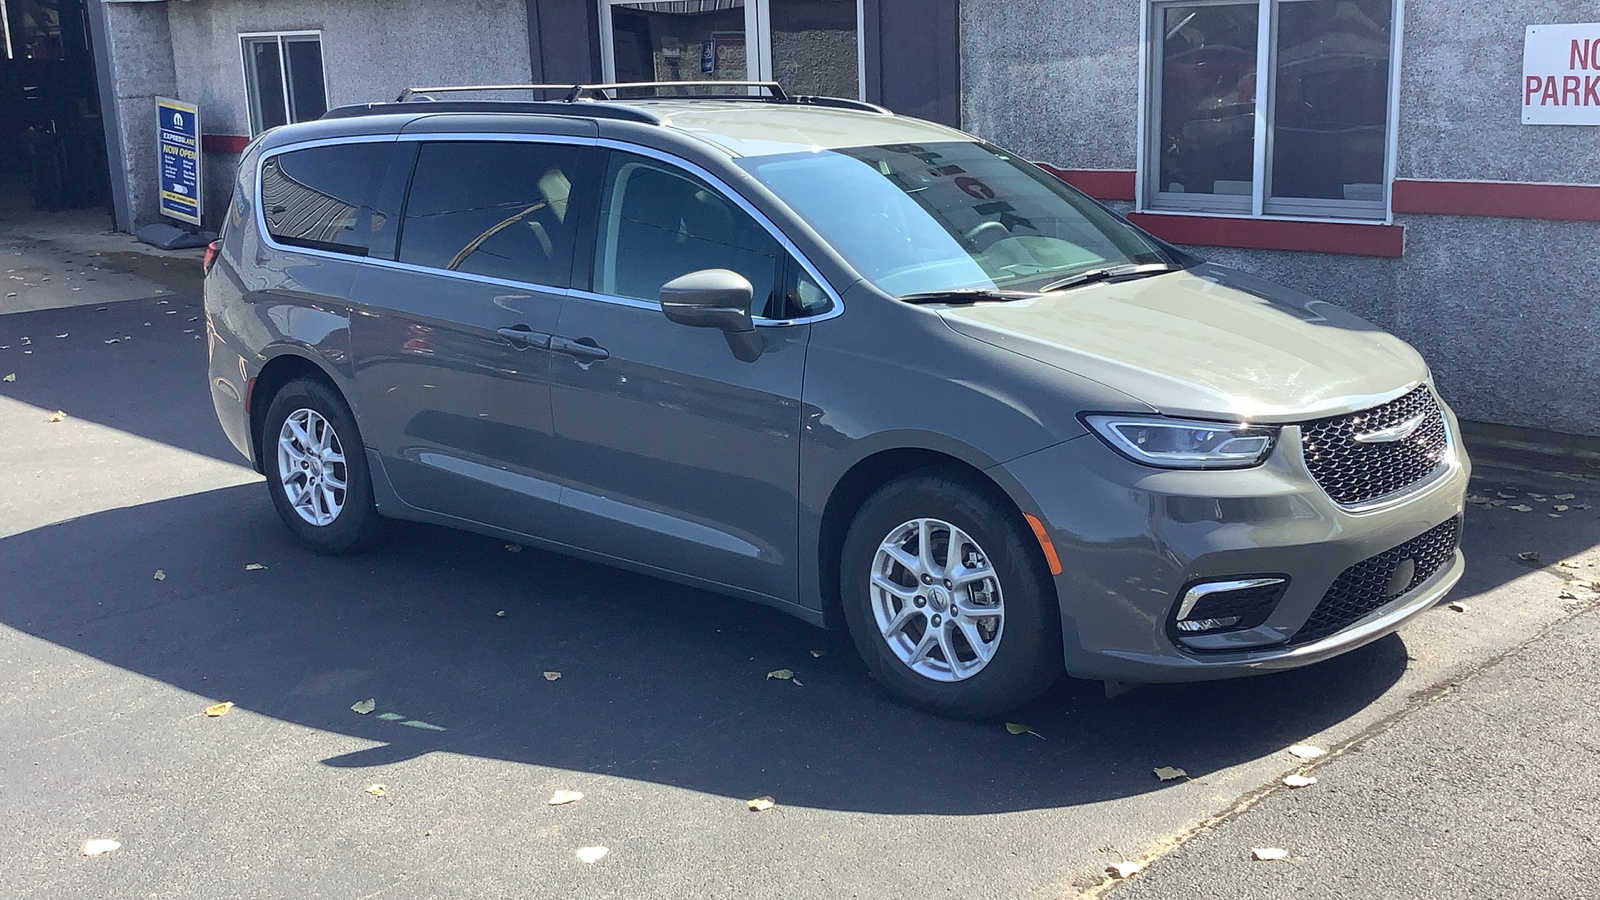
[
  {"x": 252, "y": 104},
  {"x": 1150, "y": 196},
  {"x": 757, "y": 36}
]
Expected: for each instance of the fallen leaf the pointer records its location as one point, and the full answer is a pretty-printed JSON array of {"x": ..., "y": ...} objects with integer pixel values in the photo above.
[
  {"x": 561, "y": 798},
  {"x": 218, "y": 710},
  {"x": 109, "y": 341},
  {"x": 1529, "y": 556},
  {"x": 1568, "y": 564},
  {"x": 796, "y": 682},
  {"x": 551, "y": 676},
  {"x": 1505, "y": 496},
  {"x": 501, "y": 614},
  {"x": 1299, "y": 781},
  {"x": 1561, "y": 507},
  {"x": 1566, "y": 496},
  {"x": 513, "y": 548},
  {"x": 1015, "y": 728},
  {"x": 253, "y": 567},
  {"x": 60, "y": 336},
  {"x": 160, "y": 575},
  {"x": 1521, "y": 507},
  {"x": 1307, "y": 751},
  {"x": 592, "y": 854},
  {"x": 1554, "y": 515},
  {"x": 365, "y": 706},
  {"x": 97, "y": 846},
  {"x": 378, "y": 790},
  {"x": 760, "y": 803},
  {"x": 818, "y": 654},
  {"x": 1458, "y": 606},
  {"x": 1566, "y": 595},
  {"x": 1580, "y": 583},
  {"x": 781, "y": 674},
  {"x": 11, "y": 377},
  {"x": 1539, "y": 497},
  {"x": 1268, "y": 854},
  {"x": 1170, "y": 773},
  {"x": 57, "y": 416},
  {"x": 1126, "y": 869}
]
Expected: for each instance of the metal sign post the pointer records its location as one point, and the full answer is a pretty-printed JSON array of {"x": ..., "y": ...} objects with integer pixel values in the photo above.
[{"x": 178, "y": 149}]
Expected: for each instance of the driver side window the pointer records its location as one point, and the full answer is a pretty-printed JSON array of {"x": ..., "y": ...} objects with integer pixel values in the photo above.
[{"x": 657, "y": 223}]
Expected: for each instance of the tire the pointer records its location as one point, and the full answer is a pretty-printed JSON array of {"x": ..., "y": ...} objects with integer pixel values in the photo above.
[
  {"x": 897, "y": 637},
  {"x": 329, "y": 521}
]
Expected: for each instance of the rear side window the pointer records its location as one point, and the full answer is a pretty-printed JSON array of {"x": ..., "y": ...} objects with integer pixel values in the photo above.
[
  {"x": 657, "y": 223},
  {"x": 502, "y": 209},
  {"x": 318, "y": 197}
]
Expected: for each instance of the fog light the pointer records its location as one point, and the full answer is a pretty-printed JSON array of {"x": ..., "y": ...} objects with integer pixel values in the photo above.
[{"x": 1233, "y": 604}]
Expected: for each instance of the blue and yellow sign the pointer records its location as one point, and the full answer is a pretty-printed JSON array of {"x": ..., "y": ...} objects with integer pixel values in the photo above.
[{"x": 178, "y": 148}]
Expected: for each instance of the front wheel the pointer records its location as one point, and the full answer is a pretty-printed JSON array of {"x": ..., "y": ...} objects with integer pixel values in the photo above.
[
  {"x": 316, "y": 469},
  {"x": 947, "y": 599}
]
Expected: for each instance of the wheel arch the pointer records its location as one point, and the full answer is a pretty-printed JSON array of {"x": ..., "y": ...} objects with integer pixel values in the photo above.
[
  {"x": 872, "y": 472},
  {"x": 277, "y": 372}
]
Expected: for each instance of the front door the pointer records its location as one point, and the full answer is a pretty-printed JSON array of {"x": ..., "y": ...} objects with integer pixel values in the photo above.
[
  {"x": 452, "y": 339},
  {"x": 673, "y": 453}
]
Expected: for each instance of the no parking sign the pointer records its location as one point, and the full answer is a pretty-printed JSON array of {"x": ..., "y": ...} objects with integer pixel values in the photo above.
[{"x": 178, "y": 149}]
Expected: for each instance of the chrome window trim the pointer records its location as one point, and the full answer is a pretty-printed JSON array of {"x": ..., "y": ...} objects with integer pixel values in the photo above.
[{"x": 837, "y": 309}]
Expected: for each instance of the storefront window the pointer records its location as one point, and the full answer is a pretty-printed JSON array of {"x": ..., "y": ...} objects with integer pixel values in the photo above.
[
  {"x": 1271, "y": 107},
  {"x": 283, "y": 76},
  {"x": 808, "y": 46}
]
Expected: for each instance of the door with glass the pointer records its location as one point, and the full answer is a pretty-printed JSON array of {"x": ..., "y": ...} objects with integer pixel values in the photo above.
[{"x": 808, "y": 46}]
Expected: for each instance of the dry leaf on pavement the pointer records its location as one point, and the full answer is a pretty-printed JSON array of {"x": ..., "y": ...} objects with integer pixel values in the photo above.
[
  {"x": 1016, "y": 728},
  {"x": 561, "y": 798},
  {"x": 1299, "y": 781},
  {"x": 1307, "y": 751},
  {"x": 57, "y": 416},
  {"x": 500, "y": 613},
  {"x": 1568, "y": 564},
  {"x": 760, "y": 803},
  {"x": 1268, "y": 854},
  {"x": 1566, "y": 496},
  {"x": 1126, "y": 869},
  {"x": 551, "y": 676},
  {"x": 254, "y": 567},
  {"x": 592, "y": 854},
  {"x": 1458, "y": 606},
  {"x": 219, "y": 709},
  {"x": 818, "y": 654},
  {"x": 1170, "y": 773},
  {"x": 11, "y": 377},
  {"x": 513, "y": 548},
  {"x": 379, "y": 790},
  {"x": 1529, "y": 556},
  {"x": 160, "y": 575},
  {"x": 1566, "y": 595},
  {"x": 97, "y": 846},
  {"x": 781, "y": 674},
  {"x": 364, "y": 706},
  {"x": 1521, "y": 507}
]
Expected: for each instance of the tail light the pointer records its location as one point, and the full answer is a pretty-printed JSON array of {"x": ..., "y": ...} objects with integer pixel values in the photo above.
[{"x": 211, "y": 258}]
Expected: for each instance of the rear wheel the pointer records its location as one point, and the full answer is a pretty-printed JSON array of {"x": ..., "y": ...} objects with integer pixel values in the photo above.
[
  {"x": 947, "y": 598},
  {"x": 316, "y": 469}
]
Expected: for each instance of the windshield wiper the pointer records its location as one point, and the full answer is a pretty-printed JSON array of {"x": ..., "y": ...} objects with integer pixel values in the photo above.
[
  {"x": 966, "y": 295},
  {"x": 1106, "y": 274}
]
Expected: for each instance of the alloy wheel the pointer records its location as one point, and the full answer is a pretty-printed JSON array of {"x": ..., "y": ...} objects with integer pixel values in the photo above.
[
  {"x": 937, "y": 600},
  {"x": 311, "y": 467}
]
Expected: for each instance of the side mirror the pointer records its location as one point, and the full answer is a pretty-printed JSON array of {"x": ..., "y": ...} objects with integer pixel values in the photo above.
[{"x": 715, "y": 298}]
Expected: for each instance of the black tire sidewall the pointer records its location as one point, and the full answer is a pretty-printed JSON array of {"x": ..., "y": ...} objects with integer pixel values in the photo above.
[
  {"x": 1028, "y": 659},
  {"x": 356, "y": 526}
]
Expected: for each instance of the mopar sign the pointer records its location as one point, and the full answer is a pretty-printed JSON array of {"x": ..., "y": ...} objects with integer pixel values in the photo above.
[{"x": 178, "y": 148}]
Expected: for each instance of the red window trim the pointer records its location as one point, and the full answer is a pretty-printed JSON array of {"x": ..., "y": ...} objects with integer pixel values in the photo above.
[
  {"x": 1101, "y": 184},
  {"x": 1498, "y": 199},
  {"x": 1345, "y": 238}
]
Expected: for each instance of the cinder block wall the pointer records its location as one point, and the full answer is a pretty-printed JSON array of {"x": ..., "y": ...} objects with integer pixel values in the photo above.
[{"x": 1503, "y": 308}]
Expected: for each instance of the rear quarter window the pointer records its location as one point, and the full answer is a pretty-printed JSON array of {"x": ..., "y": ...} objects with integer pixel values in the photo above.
[{"x": 320, "y": 197}]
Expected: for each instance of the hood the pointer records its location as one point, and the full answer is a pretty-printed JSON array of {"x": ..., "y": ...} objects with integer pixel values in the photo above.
[{"x": 1206, "y": 342}]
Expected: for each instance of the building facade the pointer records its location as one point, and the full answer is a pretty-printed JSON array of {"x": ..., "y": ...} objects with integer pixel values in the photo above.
[{"x": 1391, "y": 156}]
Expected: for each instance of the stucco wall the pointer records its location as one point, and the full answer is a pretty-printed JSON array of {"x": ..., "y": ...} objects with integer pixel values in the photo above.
[
  {"x": 1502, "y": 308},
  {"x": 371, "y": 50},
  {"x": 139, "y": 51}
]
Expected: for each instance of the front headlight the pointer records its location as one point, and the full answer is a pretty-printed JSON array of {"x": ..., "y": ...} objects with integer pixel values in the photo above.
[{"x": 1183, "y": 443}]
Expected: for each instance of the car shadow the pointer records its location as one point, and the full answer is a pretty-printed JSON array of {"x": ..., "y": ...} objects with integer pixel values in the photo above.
[{"x": 657, "y": 682}]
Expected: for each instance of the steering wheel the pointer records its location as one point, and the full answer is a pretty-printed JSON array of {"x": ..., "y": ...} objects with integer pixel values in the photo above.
[{"x": 985, "y": 227}]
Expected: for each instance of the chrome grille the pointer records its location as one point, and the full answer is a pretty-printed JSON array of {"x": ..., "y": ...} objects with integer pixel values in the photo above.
[
  {"x": 1380, "y": 580},
  {"x": 1355, "y": 471}
]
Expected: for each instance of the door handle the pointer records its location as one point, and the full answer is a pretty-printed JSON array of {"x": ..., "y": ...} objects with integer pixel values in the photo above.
[
  {"x": 522, "y": 337},
  {"x": 583, "y": 349}
]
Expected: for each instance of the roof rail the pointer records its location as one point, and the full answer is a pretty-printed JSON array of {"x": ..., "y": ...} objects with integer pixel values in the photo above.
[
  {"x": 414, "y": 92},
  {"x": 775, "y": 91},
  {"x": 617, "y": 111}
]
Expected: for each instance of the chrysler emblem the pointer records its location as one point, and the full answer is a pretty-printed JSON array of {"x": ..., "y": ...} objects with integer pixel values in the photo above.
[{"x": 1394, "y": 432}]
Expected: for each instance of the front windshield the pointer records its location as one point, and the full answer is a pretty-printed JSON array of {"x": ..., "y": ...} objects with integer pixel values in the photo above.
[{"x": 950, "y": 216}]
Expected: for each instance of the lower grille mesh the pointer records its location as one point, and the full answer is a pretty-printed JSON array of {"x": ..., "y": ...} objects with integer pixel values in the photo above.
[{"x": 1370, "y": 584}]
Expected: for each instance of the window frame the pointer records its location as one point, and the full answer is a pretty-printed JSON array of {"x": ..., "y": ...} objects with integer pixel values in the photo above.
[
  {"x": 758, "y": 36},
  {"x": 1259, "y": 204},
  {"x": 253, "y": 103}
]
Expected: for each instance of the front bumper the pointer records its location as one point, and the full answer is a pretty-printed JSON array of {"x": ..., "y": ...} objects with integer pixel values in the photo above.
[{"x": 1131, "y": 538}]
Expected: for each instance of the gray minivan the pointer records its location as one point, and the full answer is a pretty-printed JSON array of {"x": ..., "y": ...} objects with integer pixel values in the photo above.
[{"x": 866, "y": 369}]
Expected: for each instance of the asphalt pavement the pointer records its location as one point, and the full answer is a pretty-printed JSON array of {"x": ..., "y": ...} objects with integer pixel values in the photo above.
[{"x": 662, "y": 714}]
